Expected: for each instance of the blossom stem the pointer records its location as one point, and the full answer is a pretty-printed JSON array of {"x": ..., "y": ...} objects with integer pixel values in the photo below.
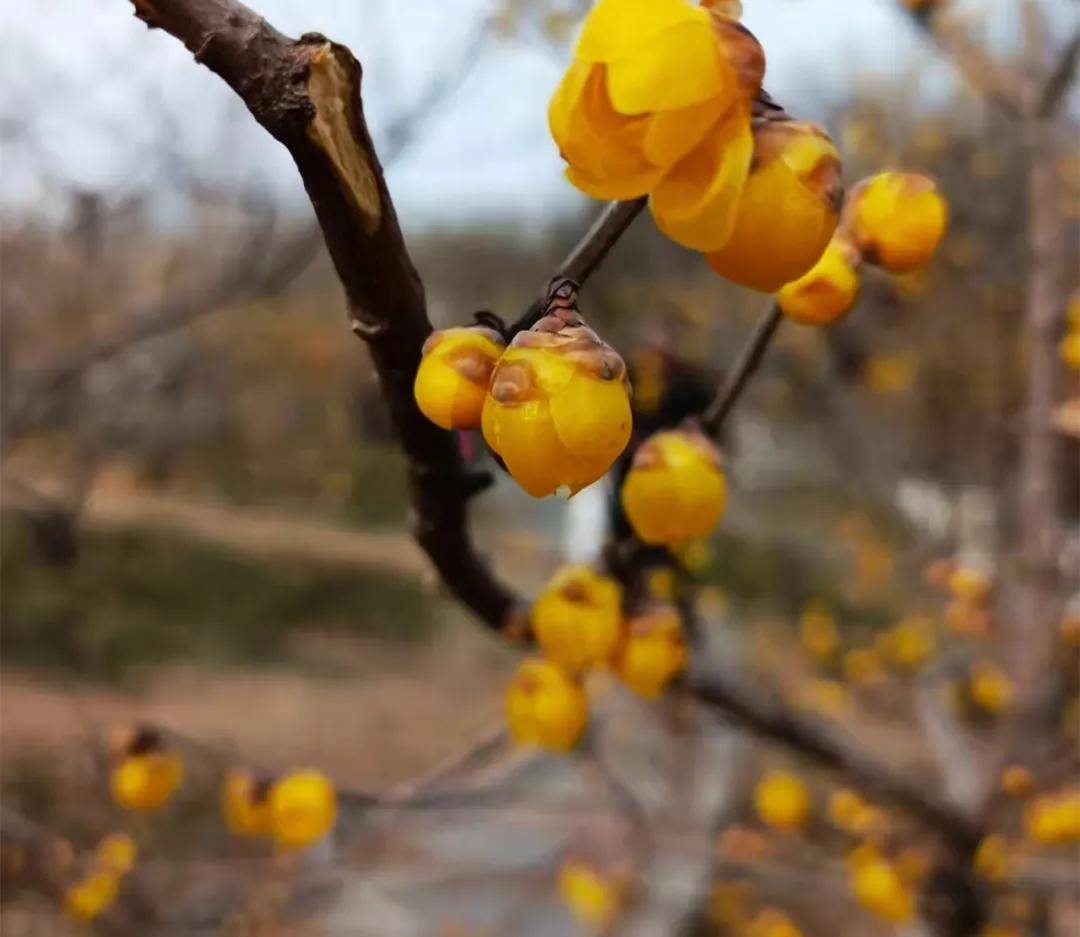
[
  {"x": 589, "y": 252},
  {"x": 712, "y": 419}
]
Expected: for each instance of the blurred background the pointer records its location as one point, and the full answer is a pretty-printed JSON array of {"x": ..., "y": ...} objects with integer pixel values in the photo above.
[{"x": 205, "y": 517}]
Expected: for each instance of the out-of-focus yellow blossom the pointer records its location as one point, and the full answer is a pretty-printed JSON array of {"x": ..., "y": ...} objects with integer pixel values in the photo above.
[
  {"x": 824, "y": 697},
  {"x": 729, "y": 903},
  {"x": 89, "y": 896},
  {"x": 969, "y": 583},
  {"x": 454, "y": 373},
  {"x": 648, "y": 380},
  {"x": 1054, "y": 818},
  {"x": 817, "y": 631},
  {"x": 787, "y": 211},
  {"x": 1069, "y": 348},
  {"x": 116, "y": 853},
  {"x": 694, "y": 555},
  {"x": 993, "y": 859},
  {"x": 890, "y": 374},
  {"x": 743, "y": 844},
  {"x": 577, "y": 618},
  {"x": 850, "y": 813},
  {"x": 878, "y": 887},
  {"x": 771, "y": 922},
  {"x": 660, "y": 583},
  {"x": 896, "y": 219},
  {"x": 656, "y": 88},
  {"x": 873, "y": 565},
  {"x": 146, "y": 781},
  {"x": 910, "y": 643},
  {"x": 558, "y": 408},
  {"x": 303, "y": 808},
  {"x": 912, "y": 865},
  {"x": 591, "y": 897},
  {"x": 827, "y": 290},
  {"x": 675, "y": 489},
  {"x": 1069, "y": 626},
  {"x": 1017, "y": 782},
  {"x": 654, "y": 650},
  {"x": 862, "y": 666},
  {"x": 990, "y": 687},
  {"x": 966, "y": 617},
  {"x": 245, "y": 804},
  {"x": 545, "y": 707},
  {"x": 782, "y": 800}
]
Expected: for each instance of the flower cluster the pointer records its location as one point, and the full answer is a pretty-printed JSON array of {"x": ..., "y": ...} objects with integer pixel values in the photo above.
[
  {"x": 90, "y": 894},
  {"x": 579, "y": 624},
  {"x": 295, "y": 809}
]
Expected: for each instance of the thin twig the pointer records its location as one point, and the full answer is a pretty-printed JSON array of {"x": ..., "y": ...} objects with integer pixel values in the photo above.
[
  {"x": 590, "y": 251},
  {"x": 749, "y": 359},
  {"x": 1060, "y": 79}
]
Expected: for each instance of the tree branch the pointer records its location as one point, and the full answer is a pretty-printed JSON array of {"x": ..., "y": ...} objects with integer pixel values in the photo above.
[
  {"x": 306, "y": 94},
  {"x": 1060, "y": 79}
]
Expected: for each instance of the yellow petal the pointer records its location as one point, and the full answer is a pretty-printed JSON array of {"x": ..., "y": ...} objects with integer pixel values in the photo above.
[
  {"x": 670, "y": 135},
  {"x": 696, "y": 202},
  {"x": 615, "y": 29},
  {"x": 592, "y": 417}
]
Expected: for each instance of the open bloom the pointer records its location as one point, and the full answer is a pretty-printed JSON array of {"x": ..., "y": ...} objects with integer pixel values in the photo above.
[
  {"x": 545, "y": 707},
  {"x": 651, "y": 82},
  {"x": 302, "y": 809},
  {"x": 654, "y": 651},
  {"x": 245, "y": 804},
  {"x": 675, "y": 489},
  {"x": 827, "y": 290},
  {"x": 558, "y": 409},
  {"x": 577, "y": 618},
  {"x": 896, "y": 219},
  {"x": 782, "y": 800},
  {"x": 787, "y": 210},
  {"x": 453, "y": 376}
]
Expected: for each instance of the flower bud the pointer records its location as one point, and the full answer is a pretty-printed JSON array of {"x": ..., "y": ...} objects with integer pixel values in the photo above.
[
  {"x": 592, "y": 897},
  {"x": 788, "y": 208},
  {"x": 245, "y": 804},
  {"x": 577, "y": 618},
  {"x": 782, "y": 800},
  {"x": 146, "y": 781},
  {"x": 990, "y": 688},
  {"x": 654, "y": 651},
  {"x": 545, "y": 707},
  {"x": 116, "y": 853},
  {"x": 454, "y": 373},
  {"x": 89, "y": 896},
  {"x": 558, "y": 408},
  {"x": 877, "y": 886},
  {"x": 827, "y": 290},
  {"x": 302, "y": 809},
  {"x": 648, "y": 84},
  {"x": 675, "y": 488},
  {"x": 896, "y": 219}
]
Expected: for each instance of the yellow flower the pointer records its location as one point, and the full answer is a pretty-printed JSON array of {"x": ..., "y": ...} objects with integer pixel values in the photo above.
[
  {"x": 675, "y": 489},
  {"x": 890, "y": 374},
  {"x": 116, "y": 853},
  {"x": 147, "y": 780},
  {"x": 771, "y": 922},
  {"x": 1051, "y": 819},
  {"x": 245, "y": 804},
  {"x": 825, "y": 697},
  {"x": 862, "y": 665},
  {"x": 452, "y": 380},
  {"x": 88, "y": 897},
  {"x": 817, "y": 631},
  {"x": 896, "y": 219},
  {"x": 878, "y": 887},
  {"x": 911, "y": 642},
  {"x": 558, "y": 409},
  {"x": 850, "y": 813},
  {"x": 827, "y": 290},
  {"x": 577, "y": 618},
  {"x": 592, "y": 897},
  {"x": 969, "y": 583},
  {"x": 654, "y": 651},
  {"x": 649, "y": 83},
  {"x": 993, "y": 859},
  {"x": 990, "y": 688},
  {"x": 1017, "y": 781},
  {"x": 787, "y": 210},
  {"x": 545, "y": 707},
  {"x": 1069, "y": 349},
  {"x": 782, "y": 801},
  {"x": 303, "y": 808}
]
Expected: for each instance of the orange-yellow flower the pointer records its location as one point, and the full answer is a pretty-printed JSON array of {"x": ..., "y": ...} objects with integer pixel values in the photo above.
[
  {"x": 558, "y": 409},
  {"x": 593, "y": 898},
  {"x": 452, "y": 380},
  {"x": 146, "y": 781},
  {"x": 782, "y": 800},
  {"x": 245, "y": 804},
  {"x": 878, "y": 887},
  {"x": 675, "y": 489},
  {"x": 969, "y": 583},
  {"x": 1069, "y": 348},
  {"x": 827, "y": 290},
  {"x": 577, "y": 618},
  {"x": 990, "y": 687},
  {"x": 649, "y": 83},
  {"x": 1017, "y": 781},
  {"x": 910, "y": 643},
  {"x": 654, "y": 651},
  {"x": 896, "y": 219},
  {"x": 303, "y": 808},
  {"x": 87, "y": 898},
  {"x": 116, "y": 853},
  {"x": 1051, "y": 819},
  {"x": 545, "y": 707},
  {"x": 817, "y": 631},
  {"x": 993, "y": 858},
  {"x": 787, "y": 210}
]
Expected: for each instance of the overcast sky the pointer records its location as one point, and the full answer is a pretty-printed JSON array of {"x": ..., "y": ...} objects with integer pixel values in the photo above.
[{"x": 113, "y": 103}]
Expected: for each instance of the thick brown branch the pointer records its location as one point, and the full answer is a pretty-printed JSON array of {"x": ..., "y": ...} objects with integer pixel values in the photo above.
[{"x": 306, "y": 93}]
